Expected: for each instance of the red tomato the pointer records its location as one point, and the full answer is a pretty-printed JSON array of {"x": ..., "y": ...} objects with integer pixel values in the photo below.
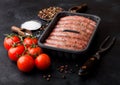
[
  {"x": 25, "y": 63},
  {"x": 34, "y": 51},
  {"x": 10, "y": 40},
  {"x": 42, "y": 62},
  {"x": 28, "y": 41},
  {"x": 15, "y": 52}
]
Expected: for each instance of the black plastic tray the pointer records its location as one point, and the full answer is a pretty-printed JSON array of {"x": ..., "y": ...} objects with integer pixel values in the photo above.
[{"x": 64, "y": 52}]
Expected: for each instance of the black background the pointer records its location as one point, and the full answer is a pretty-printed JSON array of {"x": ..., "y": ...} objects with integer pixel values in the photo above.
[{"x": 15, "y": 12}]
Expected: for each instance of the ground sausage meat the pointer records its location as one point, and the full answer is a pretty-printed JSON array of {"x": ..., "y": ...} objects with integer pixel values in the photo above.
[{"x": 71, "y": 32}]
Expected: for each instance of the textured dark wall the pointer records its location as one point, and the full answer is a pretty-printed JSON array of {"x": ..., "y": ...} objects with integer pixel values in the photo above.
[{"x": 14, "y": 12}]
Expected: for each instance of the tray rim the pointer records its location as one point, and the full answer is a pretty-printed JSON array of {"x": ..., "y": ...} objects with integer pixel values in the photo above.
[{"x": 67, "y": 50}]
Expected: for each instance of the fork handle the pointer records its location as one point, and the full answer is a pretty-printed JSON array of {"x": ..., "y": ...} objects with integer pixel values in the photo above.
[{"x": 88, "y": 66}]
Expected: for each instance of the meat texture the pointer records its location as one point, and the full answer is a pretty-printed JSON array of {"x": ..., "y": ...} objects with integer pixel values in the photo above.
[{"x": 71, "y": 32}]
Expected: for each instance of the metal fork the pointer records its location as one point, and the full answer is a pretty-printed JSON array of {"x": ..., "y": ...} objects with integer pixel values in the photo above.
[{"x": 91, "y": 62}]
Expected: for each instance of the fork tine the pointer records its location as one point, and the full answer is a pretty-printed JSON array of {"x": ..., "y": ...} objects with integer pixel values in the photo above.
[
  {"x": 103, "y": 43},
  {"x": 109, "y": 45}
]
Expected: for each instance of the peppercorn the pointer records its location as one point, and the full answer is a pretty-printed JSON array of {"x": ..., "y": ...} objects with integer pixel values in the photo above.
[
  {"x": 61, "y": 70},
  {"x": 49, "y": 13},
  {"x": 49, "y": 76},
  {"x": 44, "y": 76},
  {"x": 63, "y": 76},
  {"x": 48, "y": 79}
]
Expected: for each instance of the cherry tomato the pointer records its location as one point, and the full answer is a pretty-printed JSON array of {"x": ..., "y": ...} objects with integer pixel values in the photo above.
[
  {"x": 10, "y": 40},
  {"x": 34, "y": 50},
  {"x": 25, "y": 63},
  {"x": 28, "y": 41},
  {"x": 42, "y": 62},
  {"x": 15, "y": 52}
]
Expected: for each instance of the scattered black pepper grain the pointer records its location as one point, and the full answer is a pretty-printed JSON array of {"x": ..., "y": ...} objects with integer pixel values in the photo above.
[
  {"x": 44, "y": 76},
  {"x": 48, "y": 79},
  {"x": 71, "y": 69},
  {"x": 43, "y": 27},
  {"x": 61, "y": 70},
  {"x": 62, "y": 67},
  {"x": 76, "y": 65},
  {"x": 65, "y": 71},
  {"x": 63, "y": 76},
  {"x": 66, "y": 66},
  {"x": 49, "y": 76}
]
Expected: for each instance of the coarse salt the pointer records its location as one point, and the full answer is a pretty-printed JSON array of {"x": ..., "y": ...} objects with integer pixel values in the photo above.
[{"x": 31, "y": 25}]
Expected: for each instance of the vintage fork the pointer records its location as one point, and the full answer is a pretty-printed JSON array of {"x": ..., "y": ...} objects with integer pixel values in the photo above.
[{"x": 91, "y": 62}]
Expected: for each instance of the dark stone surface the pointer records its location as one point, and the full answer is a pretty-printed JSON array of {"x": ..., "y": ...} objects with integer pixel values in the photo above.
[{"x": 15, "y": 12}]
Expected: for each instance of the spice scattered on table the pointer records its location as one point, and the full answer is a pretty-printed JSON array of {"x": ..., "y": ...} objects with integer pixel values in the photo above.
[
  {"x": 39, "y": 32},
  {"x": 43, "y": 27},
  {"x": 63, "y": 77},
  {"x": 65, "y": 69},
  {"x": 47, "y": 77}
]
